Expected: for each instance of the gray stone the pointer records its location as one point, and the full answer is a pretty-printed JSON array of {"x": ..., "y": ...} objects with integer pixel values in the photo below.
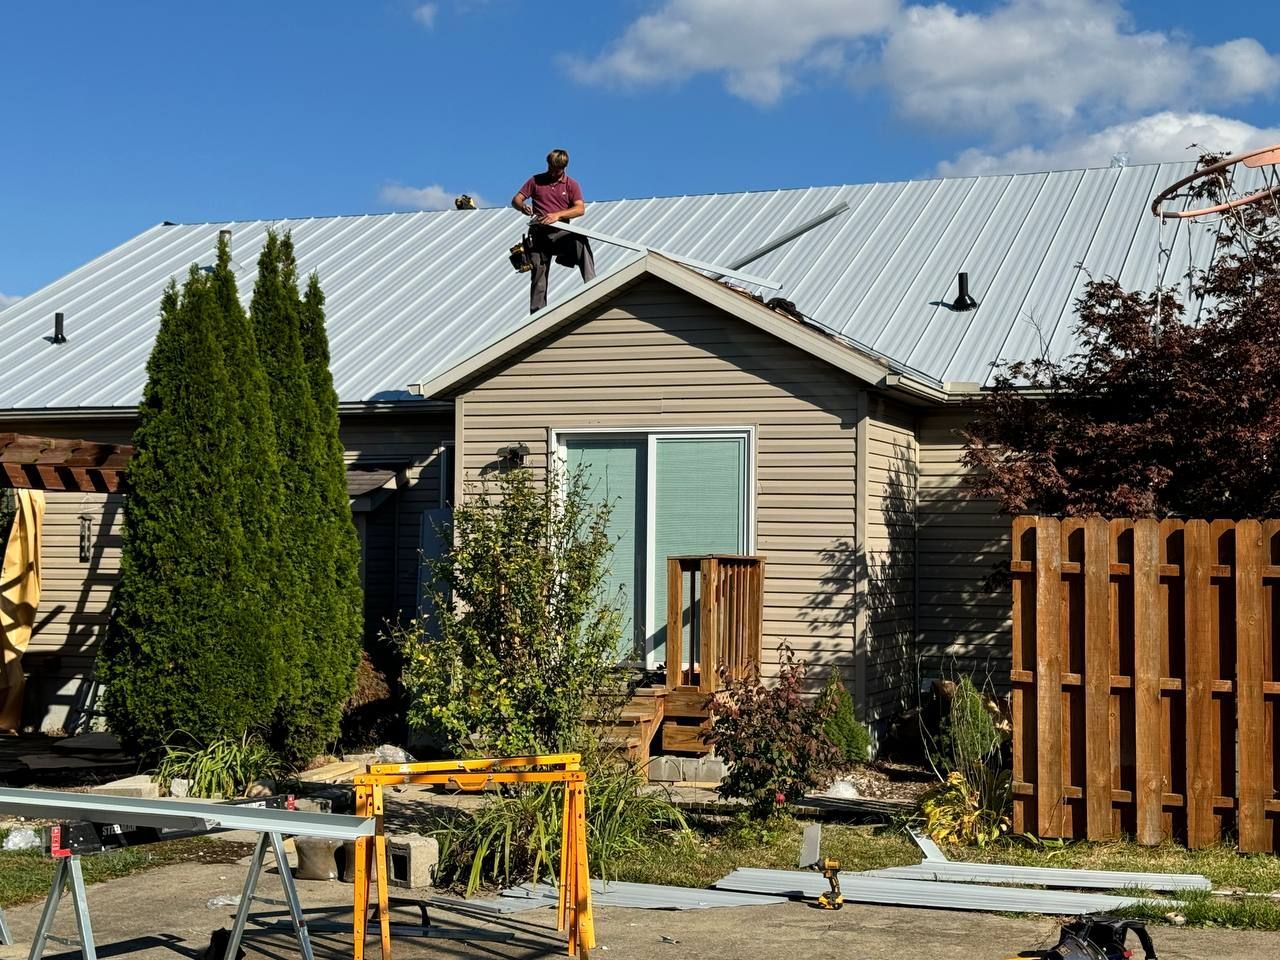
[
  {"x": 139, "y": 786},
  {"x": 179, "y": 787}
]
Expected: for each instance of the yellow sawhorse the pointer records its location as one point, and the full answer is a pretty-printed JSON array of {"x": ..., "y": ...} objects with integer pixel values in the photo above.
[{"x": 574, "y": 910}]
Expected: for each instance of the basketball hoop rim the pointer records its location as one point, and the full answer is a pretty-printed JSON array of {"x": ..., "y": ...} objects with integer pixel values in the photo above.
[{"x": 1209, "y": 171}]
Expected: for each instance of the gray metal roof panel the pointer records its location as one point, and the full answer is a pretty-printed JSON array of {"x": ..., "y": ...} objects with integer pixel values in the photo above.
[
  {"x": 862, "y": 888},
  {"x": 411, "y": 295},
  {"x": 183, "y": 814}
]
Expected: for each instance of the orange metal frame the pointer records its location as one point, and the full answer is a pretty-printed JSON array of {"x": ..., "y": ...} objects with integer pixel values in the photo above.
[{"x": 574, "y": 912}]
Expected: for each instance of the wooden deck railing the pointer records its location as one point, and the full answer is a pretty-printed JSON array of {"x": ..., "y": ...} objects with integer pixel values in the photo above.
[
  {"x": 1146, "y": 679},
  {"x": 726, "y": 619}
]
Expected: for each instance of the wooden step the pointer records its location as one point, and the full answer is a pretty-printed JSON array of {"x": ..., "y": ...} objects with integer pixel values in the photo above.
[{"x": 685, "y": 737}]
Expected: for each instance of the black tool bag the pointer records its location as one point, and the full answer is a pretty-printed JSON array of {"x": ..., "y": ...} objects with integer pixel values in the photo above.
[{"x": 1098, "y": 938}]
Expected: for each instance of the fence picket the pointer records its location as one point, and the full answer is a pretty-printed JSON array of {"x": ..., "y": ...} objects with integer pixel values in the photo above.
[
  {"x": 1201, "y": 745},
  {"x": 1097, "y": 678},
  {"x": 1049, "y": 647},
  {"x": 1253, "y": 791},
  {"x": 1148, "y": 721}
]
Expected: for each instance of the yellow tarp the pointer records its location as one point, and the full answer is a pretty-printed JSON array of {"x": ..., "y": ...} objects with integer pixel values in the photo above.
[{"x": 19, "y": 597}]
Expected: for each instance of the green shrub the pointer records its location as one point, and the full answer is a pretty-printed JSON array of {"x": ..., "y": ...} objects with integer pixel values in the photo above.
[
  {"x": 222, "y": 770},
  {"x": 849, "y": 735},
  {"x": 522, "y": 637},
  {"x": 515, "y": 837},
  {"x": 973, "y": 802},
  {"x": 772, "y": 738},
  {"x": 7, "y": 509}
]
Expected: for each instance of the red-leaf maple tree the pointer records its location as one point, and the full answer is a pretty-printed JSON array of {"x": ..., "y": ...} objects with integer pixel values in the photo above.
[{"x": 1179, "y": 417}]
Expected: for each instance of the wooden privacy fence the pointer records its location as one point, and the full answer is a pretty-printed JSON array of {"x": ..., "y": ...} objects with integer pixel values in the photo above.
[{"x": 1145, "y": 679}]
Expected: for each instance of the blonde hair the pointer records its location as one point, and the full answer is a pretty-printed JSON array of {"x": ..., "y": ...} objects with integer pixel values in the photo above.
[{"x": 558, "y": 159}]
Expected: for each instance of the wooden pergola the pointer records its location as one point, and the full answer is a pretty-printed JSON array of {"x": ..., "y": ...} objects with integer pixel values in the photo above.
[{"x": 76, "y": 466}]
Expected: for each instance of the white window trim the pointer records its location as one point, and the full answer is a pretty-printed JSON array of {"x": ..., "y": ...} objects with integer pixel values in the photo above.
[
  {"x": 653, "y": 434},
  {"x": 445, "y": 453}
]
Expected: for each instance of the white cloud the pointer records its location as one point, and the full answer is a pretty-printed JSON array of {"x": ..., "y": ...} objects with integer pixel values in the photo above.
[
  {"x": 431, "y": 197},
  {"x": 1039, "y": 64},
  {"x": 425, "y": 14},
  {"x": 761, "y": 47},
  {"x": 1018, "y": 70},
  {"x": 1160, "y": 136},
  {"x": 7, "y": 301}
]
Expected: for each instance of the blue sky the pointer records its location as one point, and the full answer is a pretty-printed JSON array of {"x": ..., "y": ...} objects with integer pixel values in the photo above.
[{"x": 118, "y": 115}]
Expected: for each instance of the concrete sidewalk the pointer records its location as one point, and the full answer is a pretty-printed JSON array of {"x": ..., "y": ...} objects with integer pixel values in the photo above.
[{"x": 164, "y": 915}]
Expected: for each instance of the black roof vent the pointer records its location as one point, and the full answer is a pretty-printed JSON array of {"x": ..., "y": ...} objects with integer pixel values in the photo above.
[
  {"x": 59, "y": 334},
  {"x": 963, "y": 302}
]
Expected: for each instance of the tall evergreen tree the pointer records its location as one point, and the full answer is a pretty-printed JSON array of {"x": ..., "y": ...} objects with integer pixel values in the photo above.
[
  {"x": 321, "y": 669},
  {"x": 340, "y": 617},
  {"x": 183, "y": 652},
  {"x": 257, "y": 463}
]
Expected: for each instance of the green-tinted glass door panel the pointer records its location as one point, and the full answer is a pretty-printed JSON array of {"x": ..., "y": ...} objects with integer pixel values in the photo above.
[
  {"x": 699, "y": 507},
  {"x": 617, "y": 470}
]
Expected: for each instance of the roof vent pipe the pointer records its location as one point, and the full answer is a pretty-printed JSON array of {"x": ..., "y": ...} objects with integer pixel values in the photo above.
[
  {"x": 225, "y": 234},
  {"x": 963, "y": 302},
  {"x": 58, "y": 335}
]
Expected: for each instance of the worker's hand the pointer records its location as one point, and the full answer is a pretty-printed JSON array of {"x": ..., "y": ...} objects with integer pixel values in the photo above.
[
  {"x": 549, "y": 218},
  {"x": 527, "y": 210}
]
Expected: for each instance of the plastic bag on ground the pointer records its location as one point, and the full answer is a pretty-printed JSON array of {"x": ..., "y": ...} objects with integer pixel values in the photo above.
[
  {"x": 388, "y": 753},
  {"x": 23, "y": 838}
]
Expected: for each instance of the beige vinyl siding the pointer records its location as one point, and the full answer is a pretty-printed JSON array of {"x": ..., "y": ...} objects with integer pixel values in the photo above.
[
  {"x": 75, "y": 596},
  {"x": 889, "y": 538},
  {"x": 655, "y": 357},
  {"x": 961, "y": 540},
  {"x": 392, "y": 530}
]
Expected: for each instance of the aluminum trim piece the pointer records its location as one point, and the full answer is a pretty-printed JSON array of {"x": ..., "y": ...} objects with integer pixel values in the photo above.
[
  {"x": 180, "y": 814},
  {"x": 957, "y": 872},
  {"x": 647, "y": 896},
  {"x": 926, "y": 893}
]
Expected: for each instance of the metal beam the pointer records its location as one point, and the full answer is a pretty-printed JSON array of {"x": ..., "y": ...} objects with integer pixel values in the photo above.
[
  {"x": 714, "y": 268},
  {"x": 180, "y": 814},
  {"x": 790, "y": 235}
]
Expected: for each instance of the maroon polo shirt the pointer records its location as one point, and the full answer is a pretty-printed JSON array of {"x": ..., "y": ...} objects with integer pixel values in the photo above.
[{"x": 550, "y": 196}]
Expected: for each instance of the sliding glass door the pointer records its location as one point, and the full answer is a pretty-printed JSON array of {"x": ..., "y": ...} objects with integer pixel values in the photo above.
[{"x": 673, "y": 494}]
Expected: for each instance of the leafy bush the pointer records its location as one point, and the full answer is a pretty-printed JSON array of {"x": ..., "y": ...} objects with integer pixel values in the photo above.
[
  {"x": 773, "y": 738},
  {"x": 974, "y": 800},
  {"x": 516, "y": 837},
  {"x": 849, "y": 735},
  {"x": 224, "y": 769},
  {"x": 522, "y": 637}
]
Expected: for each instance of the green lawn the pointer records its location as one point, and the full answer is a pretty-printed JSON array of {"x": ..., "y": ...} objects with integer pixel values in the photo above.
[
  {"x": 25, "y": 875},
  {"x": 715, "y": 847}
]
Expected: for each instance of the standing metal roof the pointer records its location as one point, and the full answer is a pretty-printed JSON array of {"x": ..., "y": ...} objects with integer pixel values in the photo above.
[{"x": 410, "y": 295}]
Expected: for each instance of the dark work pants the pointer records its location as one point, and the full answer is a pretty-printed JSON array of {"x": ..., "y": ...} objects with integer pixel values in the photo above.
[{"x": 567, "y": 249}]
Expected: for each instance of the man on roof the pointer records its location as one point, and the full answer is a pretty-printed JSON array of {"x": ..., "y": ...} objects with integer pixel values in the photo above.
[{"x": 550, "y": 198}]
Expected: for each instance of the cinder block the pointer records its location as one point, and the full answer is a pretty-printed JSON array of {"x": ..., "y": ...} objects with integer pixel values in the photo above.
[
  {"x": 704, "y": 769},
  {"x": 664, "y": 769},
  {"x": 140, "y": 786},
  {"x": 413, "y": 858}
]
